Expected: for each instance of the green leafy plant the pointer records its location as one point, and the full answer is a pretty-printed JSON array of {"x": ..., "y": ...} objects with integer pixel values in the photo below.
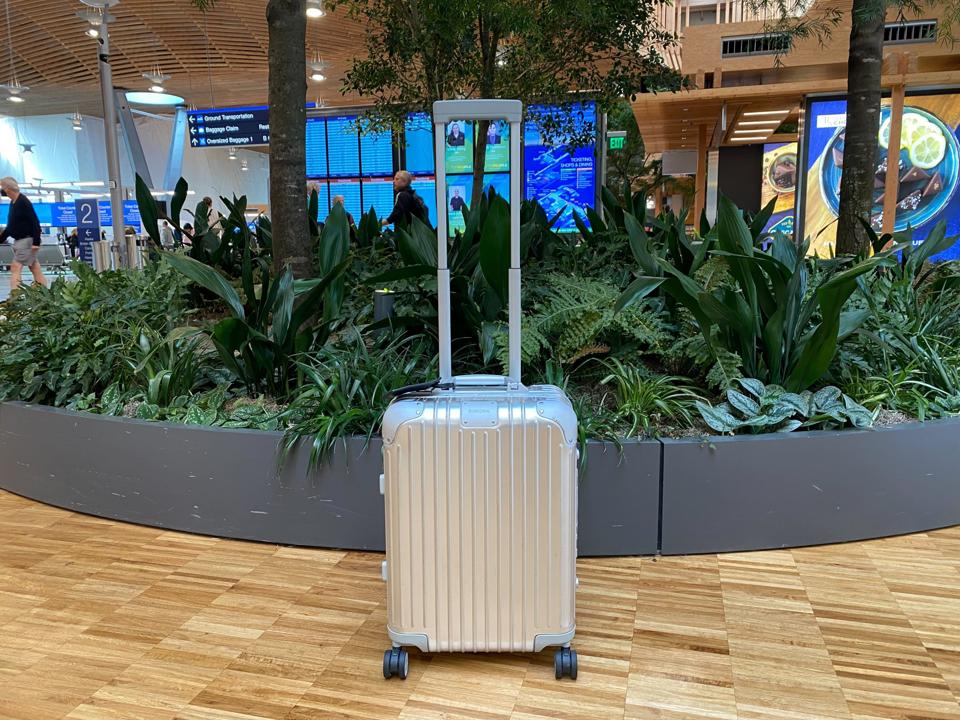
[
  {"x": 573, "y": 318},
  {"x": 346, "y": 389},
  {"x": 257, "y": 343},
  {"x": 770, "y": 408},
  {"x": 168, "y": 367},
  {"x": 783, "y": 333},
  {"x": 644, "y": 400}
]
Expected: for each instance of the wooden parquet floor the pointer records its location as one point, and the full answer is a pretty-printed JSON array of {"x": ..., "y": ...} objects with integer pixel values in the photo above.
[{"x": 101, "y": 620}]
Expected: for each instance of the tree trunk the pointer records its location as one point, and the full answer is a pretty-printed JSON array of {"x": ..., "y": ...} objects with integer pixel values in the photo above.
[
  {"x": 479, "y": 160},
  {"x": 287, "y": 24},
  {"x": 864, "y": 68}
]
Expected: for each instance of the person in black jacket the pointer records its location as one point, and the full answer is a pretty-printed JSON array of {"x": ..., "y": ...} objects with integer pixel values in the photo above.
[
  {"x": 406, "y": 203},
  {"x": 24, "y": 227}
]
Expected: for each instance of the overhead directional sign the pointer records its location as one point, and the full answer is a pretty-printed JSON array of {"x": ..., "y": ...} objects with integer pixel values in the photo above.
[{"x": 233, "y": 127}]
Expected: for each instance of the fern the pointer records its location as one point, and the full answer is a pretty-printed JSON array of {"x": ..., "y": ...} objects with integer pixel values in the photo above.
[{"x": 574, "y": 318}]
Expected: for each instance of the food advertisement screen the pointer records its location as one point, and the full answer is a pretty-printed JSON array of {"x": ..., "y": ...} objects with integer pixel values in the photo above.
[
  {"x": 779, "y": 183},
  {"x": 560, "y": 177},
  {"x": 928, "y": 169}
]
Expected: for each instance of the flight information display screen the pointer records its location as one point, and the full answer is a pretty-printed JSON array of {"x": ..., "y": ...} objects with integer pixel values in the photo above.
[
  {"x": 418, "y": 133},
  {"x": 342, "y": 146},
  {"x": 316, "y": 147},
  {"x": 376, "y": 153},
  {"x": 323, "y": 198},
  {"x": 378, "y": 194},
  {"x": 426, "y": 188},
  {"x": 350, "y": 189}
]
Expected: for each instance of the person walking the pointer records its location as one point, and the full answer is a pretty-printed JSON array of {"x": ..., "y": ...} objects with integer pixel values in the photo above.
[
  {"x": 407, "y": 203},
  {"x": 213, "y": 216},
  {"x": 24, "y": 227},
  {"x": 167, "y": 238}
]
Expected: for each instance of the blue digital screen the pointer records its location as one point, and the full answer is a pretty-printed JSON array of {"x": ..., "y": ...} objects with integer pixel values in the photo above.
[
  {"x": 418, "y": 132},
  {"x": 343, "y": 147},
  {"x": 323, "y": 197},
  {"x": 376, "y": 153},
  {"x": 560, "y": 178},
  {"x": 131, "y": 213},
  {"x": 378, "y": 194},
  {"x": 64, "y": 214},
  {"x": 426, "y": 188},
  {"x": 460, "y": 194},
  {"x": 350, "y": 189},
  {"x": 316, "y": 147}
]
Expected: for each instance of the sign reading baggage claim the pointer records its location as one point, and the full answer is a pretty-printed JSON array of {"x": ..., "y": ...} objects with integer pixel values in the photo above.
[{"x": 229, "y": 127}]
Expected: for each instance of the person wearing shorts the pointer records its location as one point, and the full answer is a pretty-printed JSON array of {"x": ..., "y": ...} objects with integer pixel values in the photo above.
[{"x": 24, "y": 227}]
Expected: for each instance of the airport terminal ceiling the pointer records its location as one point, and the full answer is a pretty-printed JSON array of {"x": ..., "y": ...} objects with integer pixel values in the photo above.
[{"x": 58, "y": 61}]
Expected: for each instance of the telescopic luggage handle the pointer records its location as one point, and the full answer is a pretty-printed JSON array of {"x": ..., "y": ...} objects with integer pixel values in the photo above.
[{"x": 445, "y": 111}]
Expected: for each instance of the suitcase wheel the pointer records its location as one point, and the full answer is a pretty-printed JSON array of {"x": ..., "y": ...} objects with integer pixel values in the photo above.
[
  {"x": 396, "y": 661},
  {"x": 565, "y": 663}
]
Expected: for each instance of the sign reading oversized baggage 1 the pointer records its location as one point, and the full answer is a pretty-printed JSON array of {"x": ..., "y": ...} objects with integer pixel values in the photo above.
[{"x": 480, "y": 484}]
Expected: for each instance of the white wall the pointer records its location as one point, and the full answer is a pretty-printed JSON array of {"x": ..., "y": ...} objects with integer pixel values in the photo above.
[{"x": 62, "y": 154}]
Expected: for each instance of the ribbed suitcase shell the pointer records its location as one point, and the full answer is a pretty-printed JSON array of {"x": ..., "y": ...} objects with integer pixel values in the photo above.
[{"x": 481, "y": 508}]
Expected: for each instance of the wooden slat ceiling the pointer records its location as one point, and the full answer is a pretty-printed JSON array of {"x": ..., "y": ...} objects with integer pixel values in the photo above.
[{"x": 55, "y": 58}]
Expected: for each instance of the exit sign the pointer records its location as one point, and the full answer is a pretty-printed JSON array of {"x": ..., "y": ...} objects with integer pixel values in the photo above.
[{"x": 616, "y": 142}]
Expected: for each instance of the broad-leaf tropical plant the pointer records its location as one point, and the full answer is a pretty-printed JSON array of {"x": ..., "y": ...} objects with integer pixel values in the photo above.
[{"x": 784, "y": 334}]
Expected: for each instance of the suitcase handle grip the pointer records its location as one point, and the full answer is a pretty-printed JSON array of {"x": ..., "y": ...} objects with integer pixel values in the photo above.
[{"x": 417, "y": 387}]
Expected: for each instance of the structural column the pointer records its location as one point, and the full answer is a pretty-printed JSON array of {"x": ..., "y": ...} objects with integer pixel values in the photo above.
[
  {"x": 700, "y": 185},
  {"x": 892, "y": 180},
  {"x": 110, "y": 136}
]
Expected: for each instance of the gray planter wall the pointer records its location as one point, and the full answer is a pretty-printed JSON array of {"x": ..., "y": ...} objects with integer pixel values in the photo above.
[
  {"x": 789, "y": 490},
  {"x": 226, "y": 482}
]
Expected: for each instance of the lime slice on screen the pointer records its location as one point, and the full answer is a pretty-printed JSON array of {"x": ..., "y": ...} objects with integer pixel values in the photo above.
[
  {"x": 927, "y": 151},
  {"x": 885, "y": 134}
]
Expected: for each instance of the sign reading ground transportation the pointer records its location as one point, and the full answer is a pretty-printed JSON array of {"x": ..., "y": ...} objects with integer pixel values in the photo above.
[{"x": 229, "y": 127}]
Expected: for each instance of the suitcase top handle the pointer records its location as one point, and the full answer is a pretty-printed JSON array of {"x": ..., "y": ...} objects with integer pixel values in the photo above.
[{"x": 445, "y": 111}]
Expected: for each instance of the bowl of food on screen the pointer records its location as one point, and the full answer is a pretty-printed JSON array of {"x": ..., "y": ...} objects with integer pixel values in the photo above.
[
  {"x": 927, "y": 173},
  {"x": 782, "y": 173}
]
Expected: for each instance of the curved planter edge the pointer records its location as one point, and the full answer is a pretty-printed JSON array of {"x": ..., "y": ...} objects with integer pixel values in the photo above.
[
  {"x": 761, "y": 492},
  {"x": 229, "y": 483}
]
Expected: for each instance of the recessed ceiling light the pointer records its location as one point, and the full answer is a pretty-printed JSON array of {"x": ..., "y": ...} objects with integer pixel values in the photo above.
[
  {"x": 751, "y": 131},
  {"x": 150, "y": 98},
  {"x": 774, "y": 122},
  {"x": 755, "y": 113},
  {"x": 747, "y": 139}
]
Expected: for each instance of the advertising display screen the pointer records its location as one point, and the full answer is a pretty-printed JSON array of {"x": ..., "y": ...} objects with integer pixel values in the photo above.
[
  {"x": 459, "y": 147},
  {"x": 350, "y": 189},
  {"x": 376, "y": 153},
  {"x": 780, "y": 183},
  {"x": 497, "y": 158},
  {"x": 342, "y": 146},
  {"x": 459, "y": 190},
  {"x": 316, "y": 147},
  {"x": 378, "y": 194},
  {"x": 928, "y": 169},
  {"x": 560, "y": 177},
  {"x": 418, "y": 136},
  {"x": 426, "y": 188}
]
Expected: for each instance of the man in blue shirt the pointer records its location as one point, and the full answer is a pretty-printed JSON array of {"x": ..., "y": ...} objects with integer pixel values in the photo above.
[{"x": 24, "y": 227}]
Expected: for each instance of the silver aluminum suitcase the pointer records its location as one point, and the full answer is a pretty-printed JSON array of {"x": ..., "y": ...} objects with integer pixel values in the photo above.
[{"x": 480, "y": 485}]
